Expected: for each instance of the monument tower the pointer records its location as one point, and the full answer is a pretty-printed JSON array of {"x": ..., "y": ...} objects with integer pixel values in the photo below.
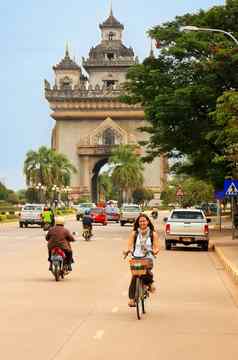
[{"x": 89, "y": 118}]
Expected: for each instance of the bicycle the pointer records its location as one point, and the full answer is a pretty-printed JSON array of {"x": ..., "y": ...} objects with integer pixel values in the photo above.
[
  {"x": 139, "y": 267},
  {"x": 87, "y": 233}
]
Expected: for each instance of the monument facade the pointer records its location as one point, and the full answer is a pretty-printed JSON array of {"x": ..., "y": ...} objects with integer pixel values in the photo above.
[{"x": 89, "y": 118}]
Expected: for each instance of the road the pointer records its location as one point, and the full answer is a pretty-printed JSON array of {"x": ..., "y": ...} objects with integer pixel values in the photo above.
[{"x": 192, "y": 315}]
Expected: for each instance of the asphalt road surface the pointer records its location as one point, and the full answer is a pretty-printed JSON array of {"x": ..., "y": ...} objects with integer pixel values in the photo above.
[{"x": 192, "y": 316}]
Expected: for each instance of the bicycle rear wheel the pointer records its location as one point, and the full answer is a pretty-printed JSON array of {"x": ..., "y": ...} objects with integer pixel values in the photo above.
[
  {"x": 143, "y": 304},
  {"x": 138, "y": 298}
]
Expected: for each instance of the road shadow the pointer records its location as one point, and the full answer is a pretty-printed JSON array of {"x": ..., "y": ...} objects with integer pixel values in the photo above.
[{"x": 186, "y": 249}]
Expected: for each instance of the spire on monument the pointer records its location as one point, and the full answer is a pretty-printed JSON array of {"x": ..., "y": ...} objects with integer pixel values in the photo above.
[
  {"x": 67, "y": 63},
  {"x": 111, "y": 12},
  {"x": 67, "y": 49},
  {"x": 111, "y": 21}
]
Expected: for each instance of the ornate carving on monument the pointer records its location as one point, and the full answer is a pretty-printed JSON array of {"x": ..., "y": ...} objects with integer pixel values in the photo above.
[
  {"x": 47, "y": 85},
  {"x": 66, "y": 83},
  {"x": 107, "y": 133}
]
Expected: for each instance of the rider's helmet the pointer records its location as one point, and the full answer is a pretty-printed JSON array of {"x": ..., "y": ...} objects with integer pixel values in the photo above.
[
  {"x": 87, "y": 212},
  {"x": 59, "y": 220},
  {"x": 45, "y": 208}
]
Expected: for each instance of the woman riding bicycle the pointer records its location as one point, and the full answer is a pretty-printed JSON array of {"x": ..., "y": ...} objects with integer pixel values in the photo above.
[{"x": 143, "y": 242}]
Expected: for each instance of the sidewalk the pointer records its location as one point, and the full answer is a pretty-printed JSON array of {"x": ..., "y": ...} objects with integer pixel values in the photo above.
[{"x": 226, "y": 249}]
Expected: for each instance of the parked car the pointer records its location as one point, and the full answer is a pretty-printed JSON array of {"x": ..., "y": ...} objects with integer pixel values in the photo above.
[
  {"x": 31, "y": 214},
  {"x": 187, "y": 226},
  {"x": 129, "y": 213},
  {"x": 98, "y": 215},
  {"x": 113, "y": 213},
  {"x": 81, "y": 208}
]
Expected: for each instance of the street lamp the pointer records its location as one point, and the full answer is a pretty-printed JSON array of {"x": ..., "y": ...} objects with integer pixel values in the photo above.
[
  {"x": 67, "y": 190},
  {"x": 40, "y": 188},
  {"x": 195, "y": 28},
  {"x": 55, "y": 190}
]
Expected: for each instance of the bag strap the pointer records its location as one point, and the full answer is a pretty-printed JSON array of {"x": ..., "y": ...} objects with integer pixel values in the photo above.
[{"x": 135, "y": 237}]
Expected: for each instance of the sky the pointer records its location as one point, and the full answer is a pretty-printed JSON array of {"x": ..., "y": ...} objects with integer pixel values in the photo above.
[{"x": 33, "y": 36}]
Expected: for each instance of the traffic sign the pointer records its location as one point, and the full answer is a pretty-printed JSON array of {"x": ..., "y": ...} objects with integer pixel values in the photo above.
[{"x": 231, "y": 187}]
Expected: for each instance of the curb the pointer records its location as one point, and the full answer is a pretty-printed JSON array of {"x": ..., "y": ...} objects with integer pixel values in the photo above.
[{"x": 228, "y": 265}]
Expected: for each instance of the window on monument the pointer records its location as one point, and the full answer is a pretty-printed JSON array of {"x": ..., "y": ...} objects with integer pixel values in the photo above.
[
  {"x": 108, "y": 137},
  {"x": 65, "y": 83},
  {"x": 110, "y": 56},
  {"x": 109, "y": 83},
  {"x": 111, "y": 36}
]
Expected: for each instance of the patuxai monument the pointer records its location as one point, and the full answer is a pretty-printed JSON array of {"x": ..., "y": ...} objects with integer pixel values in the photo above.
[{"x": 89, "y": 118}]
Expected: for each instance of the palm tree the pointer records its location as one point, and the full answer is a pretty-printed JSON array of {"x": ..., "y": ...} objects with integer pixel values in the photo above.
[
  {"x": 127, "y": 174},
  {"x": 48, "y": 168},
  {"x": 104, "y": 186},
  {"x": 61, "y": 169},
  {"x": 36, "y": 166}
]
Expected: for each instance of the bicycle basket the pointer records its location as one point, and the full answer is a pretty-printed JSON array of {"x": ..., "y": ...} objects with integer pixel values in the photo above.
[{"x": 139, "y": 266}]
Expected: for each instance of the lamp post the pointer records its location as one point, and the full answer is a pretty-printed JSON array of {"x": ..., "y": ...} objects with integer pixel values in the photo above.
[
  {"x": 196, "y": 28},
  {"x": 55, "y": 190},
  {"x": 40, "y": 188},
  {"x": 66, "y": 190}
]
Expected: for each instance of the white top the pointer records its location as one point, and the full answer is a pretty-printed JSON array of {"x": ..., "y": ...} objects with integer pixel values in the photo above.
[{"x": 143, "y": 244}]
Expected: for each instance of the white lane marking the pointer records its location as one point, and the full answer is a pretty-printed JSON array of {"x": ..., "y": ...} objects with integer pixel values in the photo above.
[
  {"x": 115, "y": 310},
  {"x": 99, "y": 335}
]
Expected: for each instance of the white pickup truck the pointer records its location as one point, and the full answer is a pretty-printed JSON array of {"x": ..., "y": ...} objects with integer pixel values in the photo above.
[{"x": 187, "y": 226}]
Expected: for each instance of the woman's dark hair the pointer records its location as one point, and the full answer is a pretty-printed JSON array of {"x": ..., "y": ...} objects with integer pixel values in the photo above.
[{"x": 136, "y": 223}]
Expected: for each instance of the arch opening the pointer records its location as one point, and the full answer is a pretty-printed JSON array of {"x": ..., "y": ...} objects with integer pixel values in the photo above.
[{"x": 96, "y": 171}]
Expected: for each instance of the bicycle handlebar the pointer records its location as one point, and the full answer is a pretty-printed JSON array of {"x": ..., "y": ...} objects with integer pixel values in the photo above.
[{"x": 126, "y": 253}]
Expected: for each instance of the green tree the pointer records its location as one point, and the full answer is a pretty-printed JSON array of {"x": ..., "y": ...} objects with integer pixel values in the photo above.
[
  {"x": 3, "y": 192},
  {"x": 37, "y": 166},
  {"x": 180, "y": 88},
  {"x": 195, "y": 192},
  {"x": 47, "y": 167},
  {"x": 142, "y": 196},
  {"x": 225, "y": 134},
  {"x": 12, "y": 197},
  {"x": 107, "y": 189},
  {"x": 22, "y": 195},
  {"x": 127, "y": 173},
  {"x": 61, "y": 169}
]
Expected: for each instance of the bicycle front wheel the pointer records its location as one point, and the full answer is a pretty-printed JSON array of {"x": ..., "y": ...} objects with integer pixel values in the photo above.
[{"x": 138, "y": 298}]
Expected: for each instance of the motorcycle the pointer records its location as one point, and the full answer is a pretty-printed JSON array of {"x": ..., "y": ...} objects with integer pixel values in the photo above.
[
  {"x": 59, "y": 265},
  {"x": 87, "y": 234}
]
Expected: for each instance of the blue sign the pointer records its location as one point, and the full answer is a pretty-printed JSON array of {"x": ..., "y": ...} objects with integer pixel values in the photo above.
[
  {"x": 231, "y": 187},
  {"x": 219, "y": 195}
]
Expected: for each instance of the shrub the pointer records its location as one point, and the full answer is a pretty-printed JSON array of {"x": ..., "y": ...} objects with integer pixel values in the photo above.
[{"x": 12, "y": 216}]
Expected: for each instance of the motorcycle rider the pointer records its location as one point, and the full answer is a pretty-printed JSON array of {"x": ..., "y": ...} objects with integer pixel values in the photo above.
[
  {"x": 59, "y": 236},
  {"x": 154, "y": 213},
  {"x": 48, "y": 216},
  {"x": 154, "y": 218},
  {"x": 87, "y": 221}
]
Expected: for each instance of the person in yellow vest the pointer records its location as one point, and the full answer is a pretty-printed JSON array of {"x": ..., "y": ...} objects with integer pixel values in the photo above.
[{"x": 48, "y": 216}]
